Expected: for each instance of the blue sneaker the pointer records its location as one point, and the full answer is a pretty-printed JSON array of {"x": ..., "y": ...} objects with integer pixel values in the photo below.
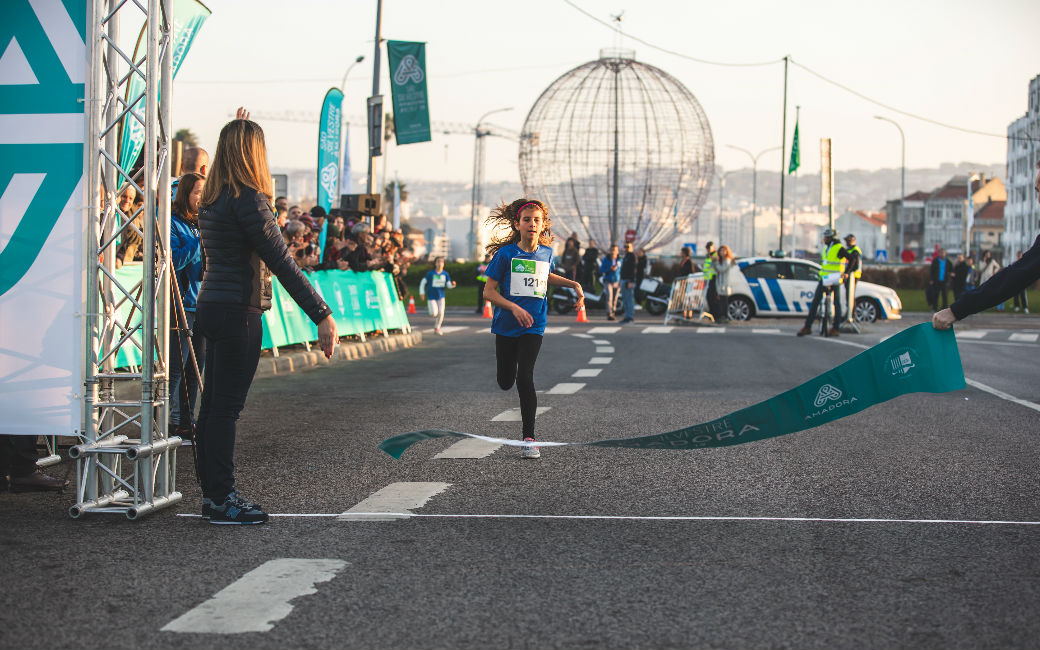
[{"x": 234, "y": 511}]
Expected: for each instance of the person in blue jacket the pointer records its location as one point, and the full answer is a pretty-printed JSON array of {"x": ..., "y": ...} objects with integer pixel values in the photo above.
[
  {"x": 521, "y": 267},
  {"x": 432, "y": 289},
  {"x": 186, "y": 251},
  {"x": 610, "y": 270}
]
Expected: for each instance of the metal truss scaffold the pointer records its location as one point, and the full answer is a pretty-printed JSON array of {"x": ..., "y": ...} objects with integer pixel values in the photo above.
[{"x": 126, "y": 461}]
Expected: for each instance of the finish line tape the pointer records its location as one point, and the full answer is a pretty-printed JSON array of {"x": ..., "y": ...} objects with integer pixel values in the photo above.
[{"x": 919, "y": 359}]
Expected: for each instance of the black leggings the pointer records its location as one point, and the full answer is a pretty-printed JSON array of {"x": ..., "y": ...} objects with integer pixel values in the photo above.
[{"x": 516, "y": 357}]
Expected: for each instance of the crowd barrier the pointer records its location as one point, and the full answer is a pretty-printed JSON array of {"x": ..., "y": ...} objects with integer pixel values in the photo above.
[
  {"x": 689, "y": 296},
  {"x": 360, "y": 302}
]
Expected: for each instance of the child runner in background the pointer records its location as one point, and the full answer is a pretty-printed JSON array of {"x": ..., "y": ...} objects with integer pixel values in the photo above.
[
  {"x": 521, "y": 267},
  {"x": 432, "y": 288}
]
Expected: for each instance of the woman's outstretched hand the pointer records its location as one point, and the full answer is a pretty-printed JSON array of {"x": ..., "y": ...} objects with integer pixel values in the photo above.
[
  {"x": 327, "y": 336},
  {"x": 241, "y": 113}
]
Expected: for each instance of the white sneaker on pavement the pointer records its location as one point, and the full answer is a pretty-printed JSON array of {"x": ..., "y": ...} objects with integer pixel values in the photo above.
[{"x": 530, "y": 452}]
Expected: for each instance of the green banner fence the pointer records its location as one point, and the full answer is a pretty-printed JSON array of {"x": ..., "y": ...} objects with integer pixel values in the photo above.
[{"x": 360, "y": 303}]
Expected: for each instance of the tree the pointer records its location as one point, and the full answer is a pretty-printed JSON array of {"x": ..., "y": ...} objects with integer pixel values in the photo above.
[{"x": 187, "y": 137}]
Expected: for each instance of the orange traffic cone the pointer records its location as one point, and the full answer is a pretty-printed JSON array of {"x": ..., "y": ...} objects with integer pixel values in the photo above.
[
  {"x": 411, "y": 305},
  {"x": 582, "y": 317},
  {"x": 487, "y": 309}
]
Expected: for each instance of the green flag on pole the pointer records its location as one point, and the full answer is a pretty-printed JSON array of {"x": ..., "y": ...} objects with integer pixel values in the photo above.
[{"x": 796, "y": 156}]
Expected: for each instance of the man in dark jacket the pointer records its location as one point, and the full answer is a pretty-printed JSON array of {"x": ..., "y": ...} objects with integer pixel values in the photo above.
[
  {"x": 628, "y": 284},
  {"x": 960, "y": 277},
  {"x": 1004, "y": 284}
]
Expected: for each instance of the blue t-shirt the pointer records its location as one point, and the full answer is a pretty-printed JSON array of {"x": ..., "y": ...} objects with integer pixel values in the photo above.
[
  {"x": 436, "y": 283},
  {"x": 610, "y": 275},
  {"x": 522, "y": 278}
]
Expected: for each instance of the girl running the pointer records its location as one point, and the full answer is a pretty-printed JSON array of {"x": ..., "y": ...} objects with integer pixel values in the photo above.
[
  {"x": 432, "y": 289},
  {"x": 521, "y": 266}
]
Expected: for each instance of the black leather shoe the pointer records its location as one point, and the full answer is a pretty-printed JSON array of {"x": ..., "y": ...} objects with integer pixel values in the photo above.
[{"x": 37, "y": 482}]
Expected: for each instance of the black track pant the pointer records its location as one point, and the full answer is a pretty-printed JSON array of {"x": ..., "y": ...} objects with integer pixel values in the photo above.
[{"x": 516, "y": 357}]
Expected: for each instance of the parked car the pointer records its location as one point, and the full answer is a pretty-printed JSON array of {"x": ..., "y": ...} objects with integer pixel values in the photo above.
[{"x": 782, "y": 286}]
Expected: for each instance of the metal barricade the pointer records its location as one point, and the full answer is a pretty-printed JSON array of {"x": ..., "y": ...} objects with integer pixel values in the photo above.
[{"x": 688, "y": 301}]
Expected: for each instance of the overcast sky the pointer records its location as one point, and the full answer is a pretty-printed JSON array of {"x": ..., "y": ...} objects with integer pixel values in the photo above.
[{"x": 964, "y": 63}]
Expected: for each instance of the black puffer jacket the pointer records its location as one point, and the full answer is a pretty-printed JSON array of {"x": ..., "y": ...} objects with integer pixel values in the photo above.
[{"x": 242, "y": 247}]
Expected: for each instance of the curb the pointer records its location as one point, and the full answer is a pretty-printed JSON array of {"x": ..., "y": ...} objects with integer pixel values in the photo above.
[{"x": 304, "y": 360}]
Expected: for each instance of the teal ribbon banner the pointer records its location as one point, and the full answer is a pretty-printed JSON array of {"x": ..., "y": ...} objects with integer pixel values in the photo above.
[
  {"x": 360, "y": 303},
  {"x": 408, "y": 83},
  {"x": 919, "y": 359},
  {"x": 328, "y": 153}
]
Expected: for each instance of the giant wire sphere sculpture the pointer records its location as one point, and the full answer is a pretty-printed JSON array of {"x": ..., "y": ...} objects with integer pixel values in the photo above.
[{"x": 617, "y": 145}]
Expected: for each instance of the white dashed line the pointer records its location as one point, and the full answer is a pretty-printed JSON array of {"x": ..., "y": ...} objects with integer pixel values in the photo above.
[
  {"x": 565, "y": 389},
  {"x": 765, "y": 331},
  {"x": 588, "y": 372},
  {"x": 605, "y": 349},
  {"x": 513, "y": 414},
  {"x": 604, "y": 330},
  {"x": 659, "y": 329},
  {"x": 448, "y": 329},
  {"x": 711, "y": 330},
  {"x": 601, "y": 342},
  {"x": 469, "y": 448},
  {"x": 257, "y": 600},
  {"x": 971, "y": 334},
  {"x": 396, "y": 500},
  {"x": 556, "y": 330},
  {"x": 596, "y": 361},
  {"x": 1002, "y": 395},
  {"x": 1024, "y": 338},
  {"x": 582, "y": 336}
]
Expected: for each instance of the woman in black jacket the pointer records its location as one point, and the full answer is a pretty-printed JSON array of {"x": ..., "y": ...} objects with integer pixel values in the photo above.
[{"x": 243, "y": 247}]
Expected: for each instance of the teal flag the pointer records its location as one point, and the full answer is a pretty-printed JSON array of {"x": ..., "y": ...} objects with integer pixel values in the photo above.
[
  {"x": 796, "y": 154},
  {"x": 188, "y": 17},
  {"x": 408, "y": 84},
  {"x": 328, "y": 152},
  {"x": 920, "y": 359}
]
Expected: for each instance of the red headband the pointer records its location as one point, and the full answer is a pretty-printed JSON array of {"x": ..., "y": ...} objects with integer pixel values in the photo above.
[{"x": 521, "y": 208}]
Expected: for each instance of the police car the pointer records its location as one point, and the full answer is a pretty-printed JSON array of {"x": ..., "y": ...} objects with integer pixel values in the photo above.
[{"x": 782, "y": 286}]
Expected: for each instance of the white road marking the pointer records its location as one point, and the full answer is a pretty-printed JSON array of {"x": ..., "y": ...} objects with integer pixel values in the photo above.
[
  {"x": 448, "y": 329},
  {"x": 605, "y": 349},
  {"x": 601, "y": 342},
  {"x": 587, "y": 372},
  {"x": 469, "y": 448},
  {"x": 565, "y": 389},
  {"x": 513, "y": 414},
  {"x": 604, "y": 330},
  {"x": 1002, "y": 395},
  {"x": 1025, "y": 338},
  {"x": 658, "y": 329},
  {"x": 395, "y": 501},
  {"x": 970, "y": 334},
  {"x": 711, "y": 330},
  {"x": 556, "y": 330},
  {"x": 582, "y": 336},
  {"x": 600, "y": 360},
  {"x": 1007, "y": 344},
  {"x": 259, "y": 599},
  {"x": 766, "y": 331}
]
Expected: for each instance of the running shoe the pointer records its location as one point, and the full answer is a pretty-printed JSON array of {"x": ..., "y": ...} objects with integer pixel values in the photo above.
[
  {"x": 234, "y": 511},
  {"x": 438, "y": 332},
  {"x": 530, "y": 452}
]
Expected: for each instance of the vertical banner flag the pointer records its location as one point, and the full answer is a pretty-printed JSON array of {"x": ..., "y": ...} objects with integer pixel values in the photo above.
[
  {"x": 328, "y": 148},
  {"x": 397, "y": 203},
  {"x": 408, "y": 83},
  {"x": 43, "y": 70},
  {"x": 826, "y": 174},
  {"x": 188, "y": 17},
  {"x": 796, "y": 153}
]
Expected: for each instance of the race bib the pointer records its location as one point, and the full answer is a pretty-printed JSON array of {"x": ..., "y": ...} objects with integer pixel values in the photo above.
[
  {"x": 528, "y": 278},
  {"x": 439, "y": 282}
]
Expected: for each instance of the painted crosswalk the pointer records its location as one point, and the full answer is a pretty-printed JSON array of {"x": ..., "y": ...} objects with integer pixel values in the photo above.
[
  {"x": 556, "y": 330},
  {"x": 565, "y": 388},
  {"x": 468, "y": 448},
  {"x": 1024, "y": 338},
  {"x": 658, "y": 329},
  {"x": 513, "y": 414},
  {"x": 598, "y": 361},
  {"x": 604, "y": 330},
  {"x": 604, "y": 349},
  {"x": 587, "y": 372},
  {"x": 394, "y": 501}
]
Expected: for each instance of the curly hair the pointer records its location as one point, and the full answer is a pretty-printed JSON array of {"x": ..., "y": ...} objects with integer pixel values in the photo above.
[{"x": 507, "y": 215}]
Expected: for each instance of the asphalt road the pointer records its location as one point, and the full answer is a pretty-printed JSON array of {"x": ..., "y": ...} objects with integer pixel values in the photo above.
[{"x": 584, "y": 548}]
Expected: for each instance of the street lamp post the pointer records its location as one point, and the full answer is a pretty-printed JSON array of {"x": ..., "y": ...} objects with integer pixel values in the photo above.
[
  {"x": 902, "y": 183},
  {"x": 754, "y": 186},
  {"x": 478, "y": 164},
  {"x": 344, "y": 176}
]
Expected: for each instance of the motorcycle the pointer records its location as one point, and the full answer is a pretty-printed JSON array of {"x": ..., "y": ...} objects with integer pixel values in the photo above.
[{"x": 652, "y": 293}]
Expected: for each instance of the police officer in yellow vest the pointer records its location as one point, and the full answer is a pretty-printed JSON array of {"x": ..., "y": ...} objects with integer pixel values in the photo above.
[
  {"x": 709, "y": 275},
  {"x": 833, "y": 261},
  {"x": 853, "y": 272}
]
